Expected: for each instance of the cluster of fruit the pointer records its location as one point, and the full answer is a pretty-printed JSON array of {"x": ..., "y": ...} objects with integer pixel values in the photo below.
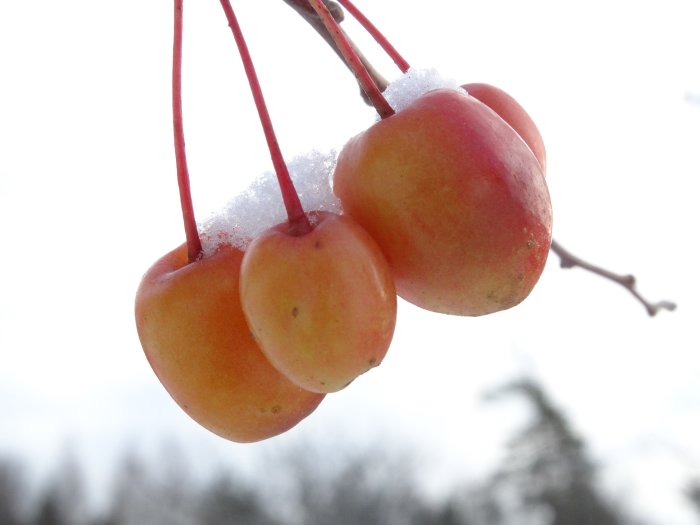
[{"x": 444, "y": 204}]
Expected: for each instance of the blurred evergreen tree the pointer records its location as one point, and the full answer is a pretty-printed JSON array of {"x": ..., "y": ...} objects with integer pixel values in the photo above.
[
  {"x": 62, "y": 500},
  {"x": 692, "y": 493},
  {"x": 139, "y": 498},
  {"x": 12, "y": 493},
  {"x": 547, "y": 475},
  {"x": 371, "y": 487},
  {"x": 51, "y": 510},
  {"x": 228, "y": 502}
]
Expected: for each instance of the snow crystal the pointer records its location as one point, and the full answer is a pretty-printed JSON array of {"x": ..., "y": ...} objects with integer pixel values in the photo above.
[
  {"x": 414, "y": 83},
  {"x": 260, "y": 206}
]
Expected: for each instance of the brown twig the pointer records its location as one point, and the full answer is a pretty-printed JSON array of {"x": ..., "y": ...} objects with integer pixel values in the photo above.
[
  {"x": 568, "y": 260},
  {"x": 353, "y": 60},
  {"x": 307, "y": 12}
]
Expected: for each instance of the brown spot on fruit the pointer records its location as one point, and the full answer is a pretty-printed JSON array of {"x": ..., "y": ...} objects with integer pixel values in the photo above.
[{"x": 295, "y": 311}]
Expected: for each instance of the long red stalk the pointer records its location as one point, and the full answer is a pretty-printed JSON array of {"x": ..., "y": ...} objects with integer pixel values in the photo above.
[
  {"x": 194, "y": 244},
  {"x": 363, "y": 77},
  {"x": 376, "y": 34},
  {"x": 298, "y": 222}
]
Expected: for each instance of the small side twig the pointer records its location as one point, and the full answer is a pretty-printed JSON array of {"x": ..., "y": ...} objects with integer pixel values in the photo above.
[{"x": 568, "y": 260}]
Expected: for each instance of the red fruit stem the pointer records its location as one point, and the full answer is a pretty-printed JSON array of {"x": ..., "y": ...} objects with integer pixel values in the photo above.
[
  {"x": 194, "y": 244},
  {"x": 352, "y": 58},
  {"x": 298, "y": 222},
  {"x": 376, "y": 34}
]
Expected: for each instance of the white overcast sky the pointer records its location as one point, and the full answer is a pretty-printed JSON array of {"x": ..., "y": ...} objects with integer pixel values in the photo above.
[{"x": 88, "y": 201}]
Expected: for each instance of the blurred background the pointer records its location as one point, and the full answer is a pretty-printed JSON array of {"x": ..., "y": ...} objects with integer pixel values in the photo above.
[{"x": 574, "y": 407}]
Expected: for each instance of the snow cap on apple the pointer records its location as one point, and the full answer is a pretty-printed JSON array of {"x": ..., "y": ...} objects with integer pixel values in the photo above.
[
  {"x": 415, "y": 83},
  {"x": 260, "y": 206}
]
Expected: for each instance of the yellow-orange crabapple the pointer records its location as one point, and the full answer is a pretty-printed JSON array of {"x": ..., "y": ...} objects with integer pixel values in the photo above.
[{"x": 322, "y": 305}]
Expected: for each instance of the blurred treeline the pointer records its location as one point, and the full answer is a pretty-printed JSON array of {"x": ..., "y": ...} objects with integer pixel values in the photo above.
[{"x": 546, "y": 478}]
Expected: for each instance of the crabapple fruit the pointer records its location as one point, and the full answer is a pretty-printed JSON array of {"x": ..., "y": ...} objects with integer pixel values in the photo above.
[
  {"x": 195, "y": 337},
  {"x": 514, "y": 114},
  {"x": 456, "y": 201},
  {"x": 322, "y": 305}
]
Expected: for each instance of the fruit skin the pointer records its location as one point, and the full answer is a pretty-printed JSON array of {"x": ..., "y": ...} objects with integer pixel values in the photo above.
[
  {"x": 322, "y": 305},
  {"x": 456, "y": 201},
  {"x": 194, "y": 334},
  {"x": 514, "y": 114}
]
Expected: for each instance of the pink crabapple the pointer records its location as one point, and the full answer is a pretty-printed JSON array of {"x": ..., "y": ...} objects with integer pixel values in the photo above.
[{"x": 455, "y": 199}]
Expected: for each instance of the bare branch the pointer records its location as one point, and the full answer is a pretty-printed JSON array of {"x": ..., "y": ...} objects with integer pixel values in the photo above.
[
  {"x": 568, "y": 260},
  {"x": 308, "y": 13}
]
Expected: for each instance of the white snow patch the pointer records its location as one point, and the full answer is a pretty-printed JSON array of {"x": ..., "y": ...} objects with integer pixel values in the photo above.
[
  {"x": 415, "y": 83},
  {"x": 260, "y": 206}
]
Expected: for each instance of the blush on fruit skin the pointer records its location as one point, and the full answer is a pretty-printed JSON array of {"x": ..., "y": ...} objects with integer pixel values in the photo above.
[
  {"x": 322, "y": 305},
  {"x": 195, "y": 337},
  {"x": 514, "y": 114},
  {"x": 455, "y": 199}
]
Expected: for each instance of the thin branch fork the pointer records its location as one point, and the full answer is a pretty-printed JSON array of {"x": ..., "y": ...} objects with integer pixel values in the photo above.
[{"x": 569, "y": 260}]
